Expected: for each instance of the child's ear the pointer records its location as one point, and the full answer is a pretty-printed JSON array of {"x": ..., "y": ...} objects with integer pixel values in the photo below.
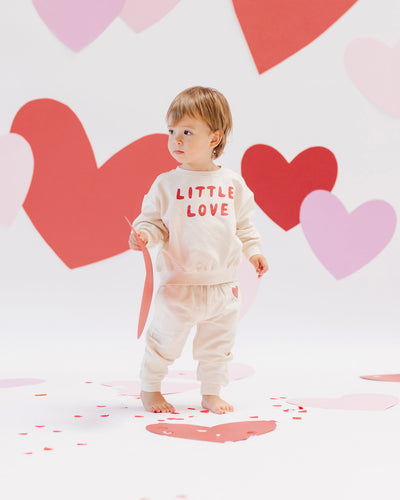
[{"x": 216, "y": 138}]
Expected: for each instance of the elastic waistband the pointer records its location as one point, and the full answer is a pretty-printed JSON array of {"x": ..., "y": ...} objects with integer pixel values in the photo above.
[{"x": 198, "y": 278}]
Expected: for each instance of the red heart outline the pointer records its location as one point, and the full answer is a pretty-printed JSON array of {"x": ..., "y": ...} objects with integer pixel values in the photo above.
[
  {"x": 280, "y": 187},
  {"x": 276, "y": 29},
  {"x": 233, "y": 431},
  {"x": 77, "y": 207}
]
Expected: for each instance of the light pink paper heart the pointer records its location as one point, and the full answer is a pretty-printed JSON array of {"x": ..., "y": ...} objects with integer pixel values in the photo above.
[
  {"x": 140, "y": 14},
  {"x": 392, "y": 377},
  {"x": 249, "y": 284},
  {"x": 76, "y": 23},
  {"x": 348, "y": 402},
  {"x": 16, "y": 170},
  {"x": 374, "y": 69},
  {"x": 237, "y": 371},
  {"x": 345, "y": 242},
  {"x": 19, "y": 382},
  {"x": 132, "y": 387}
]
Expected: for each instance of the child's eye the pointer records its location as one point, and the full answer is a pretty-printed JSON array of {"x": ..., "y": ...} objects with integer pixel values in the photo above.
[
  {"x": 170, "y": 131},
  {"x": 187, "y": 132}
]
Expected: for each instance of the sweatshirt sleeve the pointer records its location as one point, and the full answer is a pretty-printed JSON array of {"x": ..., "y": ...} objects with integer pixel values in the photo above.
[
  {"x": 149, "y": 219},
  {"x": 245, "y": 229}
]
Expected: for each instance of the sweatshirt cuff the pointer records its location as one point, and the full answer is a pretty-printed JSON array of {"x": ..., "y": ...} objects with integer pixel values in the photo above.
[
  {"x": 252, "y": 250},
  {"x": 151, "y": 239}
]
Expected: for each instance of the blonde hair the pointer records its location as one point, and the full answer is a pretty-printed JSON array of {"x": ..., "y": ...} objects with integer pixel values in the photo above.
[{"x": 207, "y": 104}]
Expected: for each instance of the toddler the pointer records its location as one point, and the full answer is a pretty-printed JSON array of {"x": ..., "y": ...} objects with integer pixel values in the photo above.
[{"x": 200, "y": 212}]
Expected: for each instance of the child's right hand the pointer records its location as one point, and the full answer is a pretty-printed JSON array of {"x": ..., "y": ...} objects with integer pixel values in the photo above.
[{"x": 134, "y": 243}]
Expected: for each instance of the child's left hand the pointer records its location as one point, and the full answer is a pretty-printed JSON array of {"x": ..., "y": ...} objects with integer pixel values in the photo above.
[{"x": 260, "y": 264}]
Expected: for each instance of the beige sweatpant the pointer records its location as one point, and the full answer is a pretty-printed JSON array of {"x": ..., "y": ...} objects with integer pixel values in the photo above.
[{"x": 177, "y": 308}]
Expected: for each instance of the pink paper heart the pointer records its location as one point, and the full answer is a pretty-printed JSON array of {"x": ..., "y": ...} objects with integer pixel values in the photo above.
[
  {"x": 374, "y": 69},
  {"x": 132, "y": 387},
  {"x": 391, "y": 377},
  {"x": 139, "y": 15},
  {"x": 237, "y": 371},
  {"x": 249, "y": 284},
  {"x": 348, "y": 402},
  {"x": 76, "y": 23},
  {"x": 345, "y": 242},
  {"x": 234, "y": 431},
  {"x": 16, "y": 170},
  {"x": 19, "y": 382}
]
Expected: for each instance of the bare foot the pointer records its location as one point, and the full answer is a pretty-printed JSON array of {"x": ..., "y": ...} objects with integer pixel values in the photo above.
[
  {"x": 215, "y": 404},
  {"x": 155, "y": 402}
]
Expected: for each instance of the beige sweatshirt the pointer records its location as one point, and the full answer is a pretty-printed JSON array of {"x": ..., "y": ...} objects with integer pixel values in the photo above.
[{"x": 203, "y": 221}]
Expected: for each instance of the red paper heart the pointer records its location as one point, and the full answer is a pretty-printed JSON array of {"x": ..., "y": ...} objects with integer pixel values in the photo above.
[
  {"x": 280, "y": 187},
  {"x": 235, "y": 291},
  {"x": 276, "y": 29},
  {"x": 77, "y": 207},
  {"x": 234, "y": 431}
]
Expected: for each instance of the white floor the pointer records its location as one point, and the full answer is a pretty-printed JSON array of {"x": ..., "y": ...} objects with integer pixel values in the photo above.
[{"x": 327, "y": 454}]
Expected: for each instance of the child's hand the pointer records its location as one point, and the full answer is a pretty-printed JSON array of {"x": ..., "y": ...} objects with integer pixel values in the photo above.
[
  {"x": 260, "y": 264},
  {"x": 134, "y": 243}
]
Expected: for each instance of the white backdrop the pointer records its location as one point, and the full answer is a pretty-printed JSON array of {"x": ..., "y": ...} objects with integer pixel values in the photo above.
[
  {"x": 120, "y": 87},
  {"x": 306, "y": 333}
]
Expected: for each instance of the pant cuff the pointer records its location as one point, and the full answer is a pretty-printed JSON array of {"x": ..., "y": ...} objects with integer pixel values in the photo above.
[
  {"x": 210, "y": 389},
  {"x": 150, "y": 387}
]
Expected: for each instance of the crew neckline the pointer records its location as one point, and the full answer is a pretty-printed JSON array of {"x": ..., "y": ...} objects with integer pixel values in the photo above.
[{"x": 200, "y": 172}]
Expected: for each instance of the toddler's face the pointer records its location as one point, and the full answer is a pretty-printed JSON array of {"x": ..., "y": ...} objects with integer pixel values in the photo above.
[{"x": 191, "y": 142}]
